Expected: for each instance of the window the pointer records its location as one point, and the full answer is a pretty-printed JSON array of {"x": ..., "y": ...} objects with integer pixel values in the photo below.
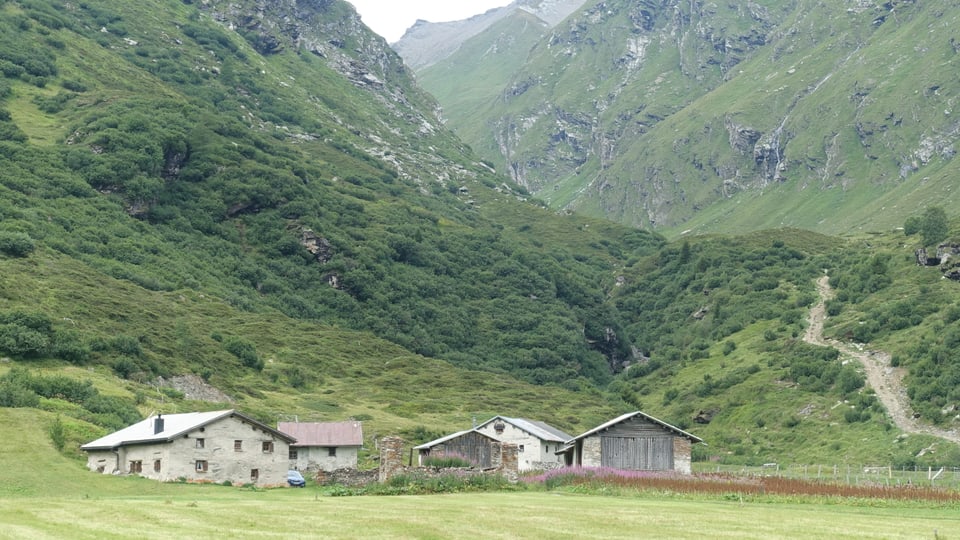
[
  {"x": 254, "y": 475},
  {"x": 201, "y": 465},
  {"x": 200, "y": 443},
  {"x": 499, "y": 427},
  {"x": 267, "y": 446},
  {"x": 520, "y": 448},
  {"x": 332, "y": 451},
  {"x": 136, "y": 467},
  {"x": 238, "y": 445},
  {"x": 293, "y": 453},
  {"x": 156, "y": 465}
]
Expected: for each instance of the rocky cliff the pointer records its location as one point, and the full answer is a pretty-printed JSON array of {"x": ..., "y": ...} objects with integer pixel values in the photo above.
[
  {"x": 426, "y": 43},
  {"x": 652, "y": 112}
]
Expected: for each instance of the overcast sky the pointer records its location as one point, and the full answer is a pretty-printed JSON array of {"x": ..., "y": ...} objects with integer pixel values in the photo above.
[{"x": 391, "y": 18}]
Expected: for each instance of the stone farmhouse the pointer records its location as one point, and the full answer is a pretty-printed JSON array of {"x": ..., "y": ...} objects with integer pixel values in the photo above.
[
  {"x": 633, "y": 441},
  {"x": 323, "y": 446},
  {"x": 537, "y": 442},
  {"x": 216, "y": 446}
]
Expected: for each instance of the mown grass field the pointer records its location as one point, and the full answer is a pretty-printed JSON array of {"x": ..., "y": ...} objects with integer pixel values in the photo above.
[
  {"x": 223, "y": 512},
  {"x": 48, "y": 494}
]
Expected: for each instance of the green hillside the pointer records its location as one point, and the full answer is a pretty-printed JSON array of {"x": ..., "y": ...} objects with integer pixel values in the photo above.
[
  {"x": 273, "y": 212},
  {"x": 724, "y": 118}
]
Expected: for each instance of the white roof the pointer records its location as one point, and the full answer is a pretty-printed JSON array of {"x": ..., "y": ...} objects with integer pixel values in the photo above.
[
  {"x": 174, "y": 425},
  {"x": 540, "y": 430},
  {"x": 442, "y": 440},
  {"x": 627, "y": 416}
]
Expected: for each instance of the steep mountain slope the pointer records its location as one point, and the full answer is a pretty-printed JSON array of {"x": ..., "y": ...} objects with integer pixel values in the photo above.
[
  {"x": 253, "y": 201},
  {"x": 427, "y": 43},
  {"x": 737, "y": 116}
]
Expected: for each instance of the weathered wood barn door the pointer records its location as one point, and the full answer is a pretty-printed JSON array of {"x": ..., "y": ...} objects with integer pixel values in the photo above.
[
  {"x": 638, "y": 445},
  {"x": 637, "y": 453},
  {"x": 473, "y": 446}
]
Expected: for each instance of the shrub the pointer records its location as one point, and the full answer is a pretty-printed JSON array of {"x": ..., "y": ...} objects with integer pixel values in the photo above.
[
  {"x": 19, "y": 340},
  {"x": 58, "y": 434},
  {"x": 244, "y": 351},
  {"x": 17, "y": 396},
  {"x": 127, "y": 345},
  {"x": 448, "y": 460},
  {"x": 16, "y": 244}
]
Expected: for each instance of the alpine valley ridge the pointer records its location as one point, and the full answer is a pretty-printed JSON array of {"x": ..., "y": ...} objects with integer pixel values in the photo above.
[{"x": 255, "y": 205}]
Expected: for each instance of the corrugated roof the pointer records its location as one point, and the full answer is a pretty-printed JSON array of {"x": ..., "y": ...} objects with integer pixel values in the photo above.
[
  {"x": 349, "y": 433},
  {"x": 540, "y": 430},
  {"x": 174, "y": 425},
  {"x": 628, "y": 416}
]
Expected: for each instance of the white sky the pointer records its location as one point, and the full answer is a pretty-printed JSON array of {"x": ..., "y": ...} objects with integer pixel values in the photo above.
[{"x": 391, "y": 18}]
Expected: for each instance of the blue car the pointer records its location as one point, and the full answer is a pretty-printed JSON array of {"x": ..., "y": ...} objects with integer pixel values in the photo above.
[{"x": 295, "y": 479}]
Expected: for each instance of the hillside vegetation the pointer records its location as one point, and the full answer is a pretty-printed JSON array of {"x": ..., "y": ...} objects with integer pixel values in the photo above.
[
  {"x": 274, "y": 213},
  {"x": 730, "y": 117}
]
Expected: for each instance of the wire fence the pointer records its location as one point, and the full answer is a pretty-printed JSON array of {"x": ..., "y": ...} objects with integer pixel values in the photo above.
[{"x": 857, "y": 475}]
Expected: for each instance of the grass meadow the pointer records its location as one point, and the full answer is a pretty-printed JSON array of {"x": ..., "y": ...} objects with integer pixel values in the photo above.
[
  {"x": 207, "y": 512},
  {"x": 47, "y": 495}
]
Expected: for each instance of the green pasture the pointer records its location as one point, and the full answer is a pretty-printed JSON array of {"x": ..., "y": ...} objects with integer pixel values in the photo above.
[
  {"x": 48, "y": 494},
  {"x": 223, "y": 512}
]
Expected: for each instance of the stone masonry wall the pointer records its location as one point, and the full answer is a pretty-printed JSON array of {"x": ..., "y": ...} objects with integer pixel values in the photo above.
[
  {"x": 391, "y": 458},
  {"x": 505, "y": 459},
  {"x": 682, "y": 452}
]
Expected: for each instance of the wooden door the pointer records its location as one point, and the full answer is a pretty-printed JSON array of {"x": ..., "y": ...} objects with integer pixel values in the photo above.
[{"x": 637, "y": 453}]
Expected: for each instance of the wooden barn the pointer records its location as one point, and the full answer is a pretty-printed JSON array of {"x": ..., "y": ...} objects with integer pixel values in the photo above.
[
  {"x": 473, "y": 445},
  {"x": 634, "y": 441}
]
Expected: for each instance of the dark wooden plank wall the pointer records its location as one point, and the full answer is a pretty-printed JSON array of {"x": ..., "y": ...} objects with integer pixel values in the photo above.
[
  {"x": 473, "y": 446},
  {"x": 637, "y": 444},
  {"x": 637, "y": 453}
]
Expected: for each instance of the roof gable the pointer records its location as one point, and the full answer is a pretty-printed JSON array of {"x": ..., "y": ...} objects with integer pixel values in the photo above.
[
  {"x": 173, "y": 426},
  {"x": 349, "y": 433},
  {"x": 540, "y": 430},
  {"x": 450, "y": 437},
  {"x": 628, "y": 416}
]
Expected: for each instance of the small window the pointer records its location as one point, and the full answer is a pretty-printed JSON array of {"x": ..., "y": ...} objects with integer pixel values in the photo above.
[
  {"x": 332, "y": 451},
  {"x": 156, "y": 465},
  {"x": 136, "y": 467},
  {"x": 499, "y": 427},
  {"x": 254, "y": 475},
  {"x": 520, "y": 448},
  {"x": 293, "y": 453},
  {"x": 267, "y": 446},
  {"x": 200, "y": 443},
  {"x": 201, "y": 465},
  {"x": 238, "y": 445}
]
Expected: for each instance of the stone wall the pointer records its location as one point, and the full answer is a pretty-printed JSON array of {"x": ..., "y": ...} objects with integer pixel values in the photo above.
[
  {"x": 347, "y": 477},
  {"x": 592, "y": 456},
  {"x": 391, "y": 458},
  {"x": 505, "y": 458},
  {"x": 682, "y": 451}
]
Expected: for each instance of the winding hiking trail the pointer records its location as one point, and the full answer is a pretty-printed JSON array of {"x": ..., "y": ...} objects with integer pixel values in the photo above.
[{"x": 886, "y": 381}]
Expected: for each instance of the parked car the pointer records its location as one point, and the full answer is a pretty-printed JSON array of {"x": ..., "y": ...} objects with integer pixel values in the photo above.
[{"x": 295, "y": 479}]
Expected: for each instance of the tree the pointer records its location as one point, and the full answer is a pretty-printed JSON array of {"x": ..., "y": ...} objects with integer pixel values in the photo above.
[{"x": 933, "y": 225}]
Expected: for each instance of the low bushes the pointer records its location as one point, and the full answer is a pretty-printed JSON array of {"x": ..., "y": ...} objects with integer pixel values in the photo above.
[{"x": 602, "y": 480}]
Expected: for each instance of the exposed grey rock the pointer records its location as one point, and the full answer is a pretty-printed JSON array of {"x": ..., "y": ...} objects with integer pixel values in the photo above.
[{"x": 426, "y": 43}]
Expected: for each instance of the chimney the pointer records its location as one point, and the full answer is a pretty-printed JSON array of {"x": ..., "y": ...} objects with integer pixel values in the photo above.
[{"x": 157, "y": 425}]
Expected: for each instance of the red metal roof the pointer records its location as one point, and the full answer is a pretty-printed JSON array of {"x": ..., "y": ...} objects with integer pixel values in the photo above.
[{"x": 349, "y": 433}]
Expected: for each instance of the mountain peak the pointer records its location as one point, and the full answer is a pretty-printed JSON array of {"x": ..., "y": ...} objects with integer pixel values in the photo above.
[{"x": 426, "y": 43}]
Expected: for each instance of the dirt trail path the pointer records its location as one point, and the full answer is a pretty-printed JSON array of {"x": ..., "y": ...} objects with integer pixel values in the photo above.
[{"x": 886, "y": 381}]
